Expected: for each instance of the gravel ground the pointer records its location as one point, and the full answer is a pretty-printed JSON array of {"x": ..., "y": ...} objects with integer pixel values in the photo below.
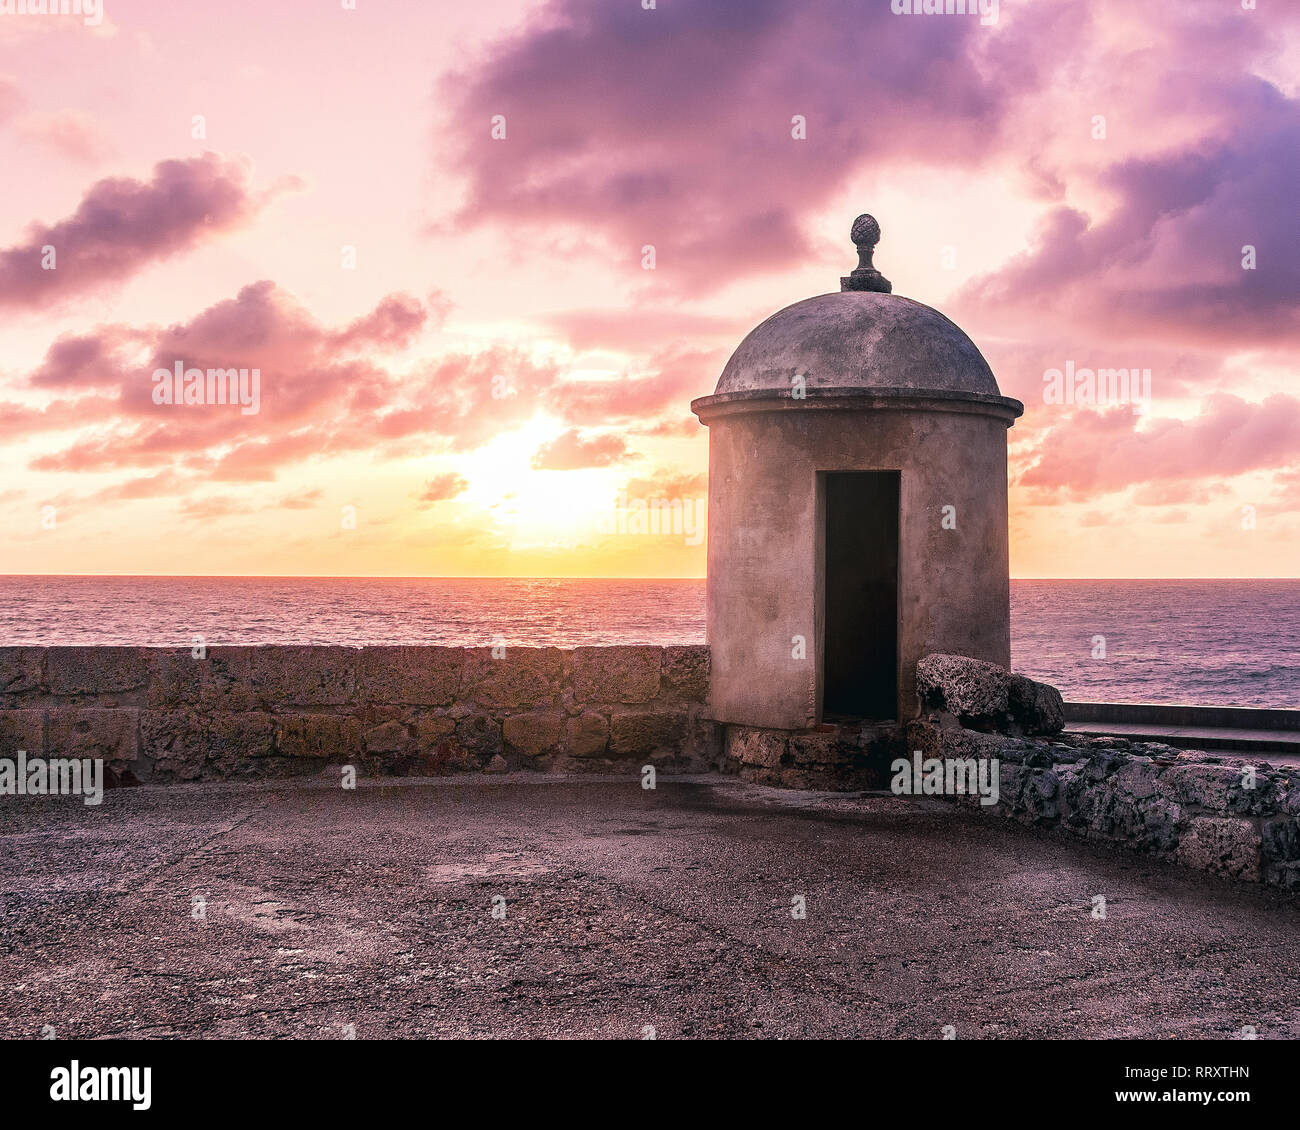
[{"x": 328, "y": 912}]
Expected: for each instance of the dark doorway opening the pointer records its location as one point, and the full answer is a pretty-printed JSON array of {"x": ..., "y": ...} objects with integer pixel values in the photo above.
[{"x": 860, "y": 610}]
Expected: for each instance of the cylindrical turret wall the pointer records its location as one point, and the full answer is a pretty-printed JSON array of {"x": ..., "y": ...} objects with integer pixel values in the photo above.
[{"x": 767, "y": 605}]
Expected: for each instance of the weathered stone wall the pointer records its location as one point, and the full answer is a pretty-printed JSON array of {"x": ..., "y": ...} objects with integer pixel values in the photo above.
[
  {"x": 766, "y": 522},
  {"x": 1229, "y": 815},
  {"x": 1189, "y": 808},
  {"x": 1194, "y": 809},
  {"x": 157, "y": 714}
]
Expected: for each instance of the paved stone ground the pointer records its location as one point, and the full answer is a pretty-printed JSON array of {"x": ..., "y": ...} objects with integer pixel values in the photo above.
[{"x": 625, "y": 908}]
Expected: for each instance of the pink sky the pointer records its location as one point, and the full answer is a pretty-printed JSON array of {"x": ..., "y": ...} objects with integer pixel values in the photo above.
[{"x": 498, "y": 368}]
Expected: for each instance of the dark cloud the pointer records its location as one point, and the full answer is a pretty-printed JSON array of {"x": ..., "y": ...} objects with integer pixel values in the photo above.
[
  {"x": 393, "y": 324},
  {"x": 315, "y": 399},
  {"x": 673, "y": 126},
  {"x": 123, "y": 225},
  {"x": 1166, "y": 262}
]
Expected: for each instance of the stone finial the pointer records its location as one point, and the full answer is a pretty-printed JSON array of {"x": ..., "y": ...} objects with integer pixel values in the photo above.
[{"x": 865, "y": 234}]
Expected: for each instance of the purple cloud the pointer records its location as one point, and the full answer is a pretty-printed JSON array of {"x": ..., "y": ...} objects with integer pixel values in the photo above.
[{"x": 122, "y": 225}]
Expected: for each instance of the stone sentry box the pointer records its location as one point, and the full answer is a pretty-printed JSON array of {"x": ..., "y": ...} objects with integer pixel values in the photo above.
[{"x": 857, "y": 507}]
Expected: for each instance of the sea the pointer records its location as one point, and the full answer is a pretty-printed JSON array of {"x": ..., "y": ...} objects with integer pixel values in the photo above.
[{"x": 1218, "y": 642}]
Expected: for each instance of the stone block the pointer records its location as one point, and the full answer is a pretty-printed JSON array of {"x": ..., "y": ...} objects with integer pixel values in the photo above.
[
  {"x": 174, "y": 741},
  {"x": 806, "y": 778},
  {"x": 637, "y": 732},
  {"x": 1280, "y": 839},
  {"x": 317, "y": 735},
  {"x": 1262, "y": 798},
  {"x": 702, "y": 745},
  {"x": 22, "y": 730},
  {"x": 1035, "y": 707},
  {"x": 437, "y": 749},
  {"x": 226, "y": 679},
  {"x": 175, "y": 677},
  {"x": 234, "y": 739},
  {"x": 587, "y": 735},
  {"x": 480, "y": 736},
  {"x": 430, "y": 729},
  {"x": 1224, "y": 845},
  {"x": 534, "y": 733},
  {"x": 970, "y": 689},
  {"x": 391, "y": 737},
  {"x": 686, "y": 671},
  {"x": 763, "y": 748},
  {"x": 922, "y": 737},
  {"x": 814, "y": 749},
  {"x": 1162, "y": 825},
  {"x": 616, "y": 674},
  {"x": 1291, "y": 798},
  {"x": 22, "y": 670},
  {"x": 303, "y": 676},
  {"x": 409, "y": 675},
  {"x": 1200, "y": 786},
  {"x": 93, "y": 732},
  {"x": 522, "y": 676},
  {"x": 96, "y": 670},
  {"x": 1138, "y": 777},
  {"x": 1103, "y": 763}
]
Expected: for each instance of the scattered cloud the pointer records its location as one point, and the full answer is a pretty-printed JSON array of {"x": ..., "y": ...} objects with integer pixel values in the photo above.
[
  {"x": 123, "y": 225},
  {"x": 442, "y": 487},
  {"x": 668, "y": 482},
  {"x": 1098, "y": 452},
  {"x": 572, "y": 451}
]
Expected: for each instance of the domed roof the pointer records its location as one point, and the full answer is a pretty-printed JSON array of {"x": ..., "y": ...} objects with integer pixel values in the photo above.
[
  {"x": 862, "y": 349},
  {"x": 858, "y": 339}
]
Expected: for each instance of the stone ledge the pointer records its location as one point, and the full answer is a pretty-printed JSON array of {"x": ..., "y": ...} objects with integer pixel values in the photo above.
[
  {"x": 96, "y": 670},
  {"x": 424, "y": 676},
  {"x": 389, "y": 710}
]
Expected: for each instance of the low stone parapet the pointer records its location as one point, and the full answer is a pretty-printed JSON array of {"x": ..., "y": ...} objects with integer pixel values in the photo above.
[
  {"x": 156, "y": 714},
  {"x": 1234, "y": 816}
]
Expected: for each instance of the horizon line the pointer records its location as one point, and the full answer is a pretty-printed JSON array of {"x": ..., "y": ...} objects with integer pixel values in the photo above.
[{"x": 515, "y": 577}]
